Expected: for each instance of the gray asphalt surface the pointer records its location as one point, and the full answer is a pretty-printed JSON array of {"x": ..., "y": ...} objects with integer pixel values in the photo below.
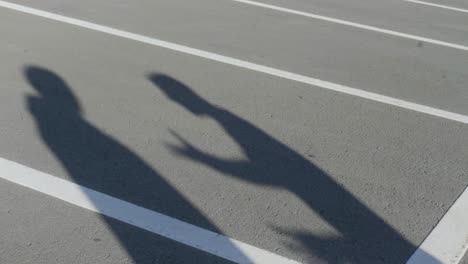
[
  {"x": 401, "y": 68},
  {"x": 310, "y": 174}
]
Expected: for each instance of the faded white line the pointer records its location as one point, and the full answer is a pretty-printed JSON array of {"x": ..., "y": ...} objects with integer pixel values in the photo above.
[
  {"x": 243, "y": 64},
  {"x": 438, "y": 5},
  {"x": 353, "y": 24},
  {"x": 137, "y": 216},
  {"x": 448, "y": 241}
]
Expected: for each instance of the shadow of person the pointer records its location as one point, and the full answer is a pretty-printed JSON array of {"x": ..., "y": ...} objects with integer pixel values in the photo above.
[
  {"x": 95, "y": 160},
  {"x": 366, "y": 238}
]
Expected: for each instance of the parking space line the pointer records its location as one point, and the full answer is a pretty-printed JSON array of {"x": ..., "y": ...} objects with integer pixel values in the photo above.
[
  {"x": 438, "y": 5},
  {"x": 448, "y": 241},
  {"x": 243, "y": 64},
  {"x": 353, "y": 24},
  {"x": 137, "y": 216}
]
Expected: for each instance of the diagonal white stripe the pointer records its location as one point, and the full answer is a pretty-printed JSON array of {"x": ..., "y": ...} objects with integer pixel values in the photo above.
[
  {"x": 437, "y": 5},
  {"x": 448, "y": 241},
  {"x": 243, "y": 64},
  {"x": 134, "y": 215},
  {"x": 353, "y": 24}
]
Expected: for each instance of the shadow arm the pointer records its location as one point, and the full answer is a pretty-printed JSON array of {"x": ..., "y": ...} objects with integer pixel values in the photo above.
[{"x": 187, "y": 150}]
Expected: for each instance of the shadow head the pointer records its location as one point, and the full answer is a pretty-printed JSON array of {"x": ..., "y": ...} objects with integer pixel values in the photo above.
[
  {"x": 180, "y": 93},
  {"x": 53, "y": 91}
]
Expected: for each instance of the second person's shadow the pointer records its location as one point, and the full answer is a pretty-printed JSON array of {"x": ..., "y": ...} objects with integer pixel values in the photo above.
[{"x": 366, "y": 238}]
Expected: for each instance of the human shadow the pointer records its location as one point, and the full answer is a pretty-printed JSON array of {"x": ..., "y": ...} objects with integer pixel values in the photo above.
[
  {"x": 95, "y": 160},
  {"x": 365, "y": 237}
]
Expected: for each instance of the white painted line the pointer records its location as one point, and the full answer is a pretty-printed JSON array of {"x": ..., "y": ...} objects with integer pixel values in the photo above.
[
  {"x": 353, "y": 24},
  {"x": 244, "y": 64},
  {"x": 134, "y": 215},
  {"x": 437, "y": 5},
  {"x": 448, "y": 241}
]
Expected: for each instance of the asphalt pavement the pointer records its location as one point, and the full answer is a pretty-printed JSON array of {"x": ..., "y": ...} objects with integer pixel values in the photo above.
[{"x": 307, "y": 173}]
